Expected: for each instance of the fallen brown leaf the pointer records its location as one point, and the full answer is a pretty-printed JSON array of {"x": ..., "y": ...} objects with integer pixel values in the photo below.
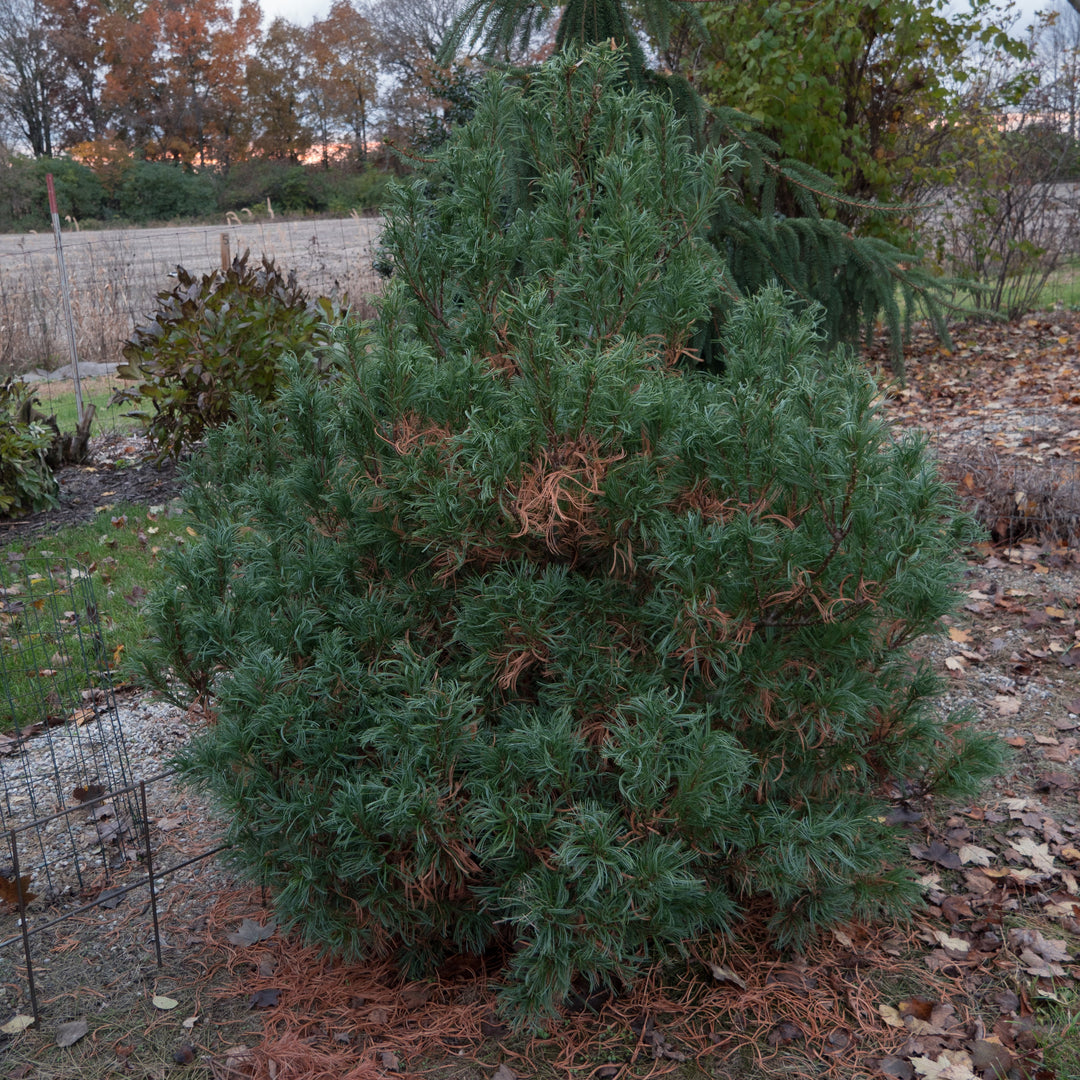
[{"x": 251, "y": 932}]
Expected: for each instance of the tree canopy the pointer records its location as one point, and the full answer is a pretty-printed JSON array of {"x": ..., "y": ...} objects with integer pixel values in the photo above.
[
  {"x": 850, "y": 88},
  {"x": 200, "y": 82},
  {"x": 859, "y": 90}
]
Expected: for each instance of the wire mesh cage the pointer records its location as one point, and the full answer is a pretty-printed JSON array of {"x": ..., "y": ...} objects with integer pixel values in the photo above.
[{"x": 55, "y": 688}]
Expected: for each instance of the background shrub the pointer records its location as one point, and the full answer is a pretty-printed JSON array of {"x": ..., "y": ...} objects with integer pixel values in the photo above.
[
  {"x": 79, "y": 193},
  {"x": 342, "y": 190},
  {"x": 153, "y": 191},
  {"x": 337, "y": 190},
  {"x": 156, "y": 191},
  {"x": 26, "y": 481},
  {"x": 24, "y": 203},
  {"x": 526, "y": 633}
]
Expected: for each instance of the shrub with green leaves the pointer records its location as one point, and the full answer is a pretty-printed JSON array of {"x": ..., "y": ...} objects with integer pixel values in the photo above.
[
  {"x": 214, "y": 338},
  {"x": 26, "y": 481},
  {"x": 79, "y": 193},
  {"x": 526, "y": 632},
  {"x": 159, "y": 191}
]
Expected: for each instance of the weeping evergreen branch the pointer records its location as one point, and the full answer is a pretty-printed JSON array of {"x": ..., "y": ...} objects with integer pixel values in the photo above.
[
  {"x": 503, "y": 27},
  {"x": 856, "y": 280}
]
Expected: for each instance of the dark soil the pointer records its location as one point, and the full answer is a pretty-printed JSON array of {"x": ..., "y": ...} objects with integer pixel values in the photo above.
[{"x": 120, "y": 469}]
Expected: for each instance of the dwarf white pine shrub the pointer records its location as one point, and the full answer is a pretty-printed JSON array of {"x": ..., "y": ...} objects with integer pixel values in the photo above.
[{"x": 522, "y": 631}]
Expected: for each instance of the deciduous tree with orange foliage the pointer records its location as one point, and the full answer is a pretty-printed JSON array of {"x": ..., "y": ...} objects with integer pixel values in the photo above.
[
  {"x": 344, "y": 73},
  {"x": 176, "y": 75},
  {"x": 275, "y": 77},
  {"x": 76, "y": 36}
]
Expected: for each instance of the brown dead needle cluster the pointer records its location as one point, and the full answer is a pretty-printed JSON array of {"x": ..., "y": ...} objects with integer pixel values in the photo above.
[{"x": 555, "y": 498}]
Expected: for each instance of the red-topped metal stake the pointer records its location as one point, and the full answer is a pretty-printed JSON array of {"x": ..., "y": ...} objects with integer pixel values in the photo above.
[{"x": 65, "y": 290}]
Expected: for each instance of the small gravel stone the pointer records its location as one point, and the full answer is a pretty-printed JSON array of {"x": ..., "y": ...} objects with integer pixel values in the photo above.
[{"x": 73, "y": 855}]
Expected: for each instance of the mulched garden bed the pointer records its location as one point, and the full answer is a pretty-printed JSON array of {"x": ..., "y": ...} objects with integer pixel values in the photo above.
[{"x": 120, "y": 468}]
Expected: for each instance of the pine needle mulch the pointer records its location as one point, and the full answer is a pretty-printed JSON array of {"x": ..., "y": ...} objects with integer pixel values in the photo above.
[{"x": 737, "y": 1005}]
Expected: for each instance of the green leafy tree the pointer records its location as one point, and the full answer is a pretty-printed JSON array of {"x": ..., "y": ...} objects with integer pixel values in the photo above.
[
  {"x": 863, "y": 91},
  {"x": 524, "y": 631}
]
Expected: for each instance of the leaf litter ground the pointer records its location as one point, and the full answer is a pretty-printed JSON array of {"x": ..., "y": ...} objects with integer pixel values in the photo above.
[{"x": 981, "y": 983}]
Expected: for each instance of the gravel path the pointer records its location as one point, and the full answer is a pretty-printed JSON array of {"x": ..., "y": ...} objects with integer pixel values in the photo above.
[{"x": 66, "y": 778}]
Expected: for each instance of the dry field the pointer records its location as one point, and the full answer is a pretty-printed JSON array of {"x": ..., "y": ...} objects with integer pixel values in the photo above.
[{"x": 115, "y": 273}]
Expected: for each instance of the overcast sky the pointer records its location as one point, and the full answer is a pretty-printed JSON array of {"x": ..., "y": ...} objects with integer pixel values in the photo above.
[
  {"x": 300, "y": 12},
  {"x": 1027, "y": 8},
  {"x": 303, "y": 11}
]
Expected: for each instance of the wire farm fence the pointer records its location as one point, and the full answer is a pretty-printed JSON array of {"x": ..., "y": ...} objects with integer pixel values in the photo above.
[
  {"x": 55, "y": 687},
  {"x": 74, "y": 823},
  {"x": 115, "y": 274}
]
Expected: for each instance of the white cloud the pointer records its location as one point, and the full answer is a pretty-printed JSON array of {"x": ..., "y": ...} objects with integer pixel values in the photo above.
[{"x": 300, "y": 12}]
